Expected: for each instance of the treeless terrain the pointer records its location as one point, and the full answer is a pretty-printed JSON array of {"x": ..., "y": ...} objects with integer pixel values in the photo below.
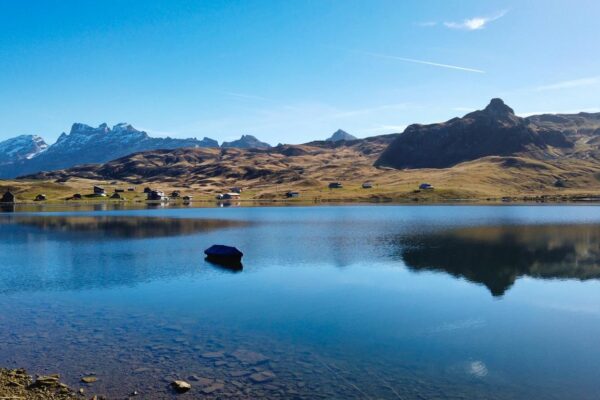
[
  {"x": 490, "y": 154},
  {"x": 308, "y": 169}
]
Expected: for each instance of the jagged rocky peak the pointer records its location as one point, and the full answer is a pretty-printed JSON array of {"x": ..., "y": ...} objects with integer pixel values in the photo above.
[
  {"x": 208, "y": 142},
  {"x": 247, "y": 142},
  {"x": 495, "y": 130},
  {"x": 79, "y": 128},
  {"x": 498, "y": 107},
  {"x": 124, "y": 126},
  {"x": 496, "y": 110},
  {"x": 86, "y": 145},
  {"x": 21, "y": 147},
  {"x": 340, "y": 135}
]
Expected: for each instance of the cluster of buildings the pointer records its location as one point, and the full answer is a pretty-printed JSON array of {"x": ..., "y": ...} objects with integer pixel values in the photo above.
[
  {"x": 233, "y": 194},
  {"x": 155, "y": 195}
]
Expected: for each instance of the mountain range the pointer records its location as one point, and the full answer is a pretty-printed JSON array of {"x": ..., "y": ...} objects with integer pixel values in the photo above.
[
  {"x": 84, "y": 144},
  {"x": 487, "y": 154},
  {"x": 485, "y": 151}
]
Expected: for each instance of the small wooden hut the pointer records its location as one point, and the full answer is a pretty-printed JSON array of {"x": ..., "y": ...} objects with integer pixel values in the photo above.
[
  {"x": 157, "y": 195},
  {"x": 8, "y": 197}
]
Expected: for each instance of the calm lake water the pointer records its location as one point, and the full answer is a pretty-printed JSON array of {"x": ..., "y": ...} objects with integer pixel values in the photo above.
[{"x": 369, "y": 302}]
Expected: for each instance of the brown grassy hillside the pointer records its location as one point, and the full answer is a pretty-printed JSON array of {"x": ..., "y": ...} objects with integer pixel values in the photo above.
[
  {"x": 487, "y": 154},
  {"x": 268, "y": 174}
]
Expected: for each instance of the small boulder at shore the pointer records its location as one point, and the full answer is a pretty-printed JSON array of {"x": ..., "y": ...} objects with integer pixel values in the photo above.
[
  {"x": 181, "y": 386},
  {"x": 89, "y": 379}
]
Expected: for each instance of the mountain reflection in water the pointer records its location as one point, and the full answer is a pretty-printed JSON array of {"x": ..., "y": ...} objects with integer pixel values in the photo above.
[
  {"x": 496, "y": 256},
  {"x": 95, "y": 228},
  {"x": 85, "y": 252}
]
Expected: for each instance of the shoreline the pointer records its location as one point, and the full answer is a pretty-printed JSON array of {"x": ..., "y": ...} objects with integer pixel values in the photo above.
[
  {"x": 18, "y": 384},
  {"x": 515, "y": 200}
]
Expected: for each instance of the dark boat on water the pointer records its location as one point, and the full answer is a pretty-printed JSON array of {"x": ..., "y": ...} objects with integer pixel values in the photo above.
[{"x": 225, "y": 256}]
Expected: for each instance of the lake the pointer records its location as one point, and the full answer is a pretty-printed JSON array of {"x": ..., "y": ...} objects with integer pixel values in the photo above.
[{"x": 368, "y": 302}]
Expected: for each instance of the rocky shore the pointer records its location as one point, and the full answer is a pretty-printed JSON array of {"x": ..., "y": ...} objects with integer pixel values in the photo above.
[{"x": 18, "y": 384}]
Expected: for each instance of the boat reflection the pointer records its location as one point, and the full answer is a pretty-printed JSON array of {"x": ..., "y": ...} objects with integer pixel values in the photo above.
[
  {"x": 497, "y": 256},
  {"x": 231, "y": 266}
]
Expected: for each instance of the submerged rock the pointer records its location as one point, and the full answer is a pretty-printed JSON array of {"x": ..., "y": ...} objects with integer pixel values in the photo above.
[
  {"x": 237, "y": 374},
  {"x": 262, "y": 377},
  {"x": 249, "y": 357},
  {"x": 212, "y": 354},
  {"x": 46, "y": 381},
  {"x": 202, "y": 381},
  {"x": 89, "y": 379},
  {"x": 213, "y": 388}
]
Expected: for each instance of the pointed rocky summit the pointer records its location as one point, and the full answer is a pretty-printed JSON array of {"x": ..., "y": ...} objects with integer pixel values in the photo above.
[
  {"x": 495, "y": 130},
  {"x": 340, "y": 135}
]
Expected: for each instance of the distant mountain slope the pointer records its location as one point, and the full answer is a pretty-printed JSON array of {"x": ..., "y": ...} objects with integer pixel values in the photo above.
[
  {"x": 85, "y": 145},
  {"x": 268, "y": 173},
  {"x": 495, "y": 130},
  {"x": 340, "y": 135},
  {"x": 22, "y": 147},
  {"x": 284, "y": 163},
  {"x": 247, "y": 142},
  {"x": 369, "y": 145}
]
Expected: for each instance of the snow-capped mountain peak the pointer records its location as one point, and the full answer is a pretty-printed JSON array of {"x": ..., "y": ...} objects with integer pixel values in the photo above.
[
  {"x": 21, "y": 147},
  {"x": 85, "y": 144}
]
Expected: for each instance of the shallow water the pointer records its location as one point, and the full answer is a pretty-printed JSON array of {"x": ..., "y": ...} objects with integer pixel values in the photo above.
[{"x": 406, "y": 302}]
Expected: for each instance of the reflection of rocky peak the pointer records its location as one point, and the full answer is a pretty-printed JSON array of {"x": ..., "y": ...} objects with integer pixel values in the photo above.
[{"x": 498, "y": 256}]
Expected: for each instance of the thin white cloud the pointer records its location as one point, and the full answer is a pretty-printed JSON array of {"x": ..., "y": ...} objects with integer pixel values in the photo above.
[
  {"x": 424, "y": 62},
  {"x": 594, "y": 80},
  {"x": 475, "y": 23}
]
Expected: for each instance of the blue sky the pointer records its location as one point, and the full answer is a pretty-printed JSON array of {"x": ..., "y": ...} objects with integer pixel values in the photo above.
[{"x": 289, "y": 71}]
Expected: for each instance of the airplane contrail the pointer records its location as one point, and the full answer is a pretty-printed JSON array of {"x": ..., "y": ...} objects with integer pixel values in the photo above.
[{"x": 435, "y": 64}]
